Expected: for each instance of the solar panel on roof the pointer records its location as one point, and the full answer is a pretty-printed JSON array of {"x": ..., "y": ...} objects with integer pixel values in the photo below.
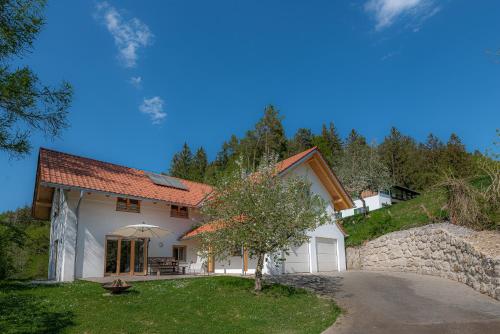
[{"x": 165, "y": 180}]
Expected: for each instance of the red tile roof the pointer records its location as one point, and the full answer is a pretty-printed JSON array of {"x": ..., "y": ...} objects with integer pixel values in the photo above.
[
  {"x": 209, "y": 227},
  {"x": 289, "y": 162},
  {"x": 56, "y": 168}
]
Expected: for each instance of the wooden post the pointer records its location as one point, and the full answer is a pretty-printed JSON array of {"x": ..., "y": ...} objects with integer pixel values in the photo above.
[
  {"x": 132, "y": 257},
  {"x": 118, "y": 257},
  {"x": 245, "y": 260},
  {"x": 211, "y": 264}
]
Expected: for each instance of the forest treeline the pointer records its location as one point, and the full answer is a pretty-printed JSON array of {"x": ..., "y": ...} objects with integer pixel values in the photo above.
[{"x": 398, "y": 160}]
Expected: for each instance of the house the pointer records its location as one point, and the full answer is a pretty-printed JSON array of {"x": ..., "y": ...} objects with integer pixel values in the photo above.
[
  {"x": 86, "y": 200},
  {"x": 373, "y": 201},
  {"x": 378, "y": 200}
]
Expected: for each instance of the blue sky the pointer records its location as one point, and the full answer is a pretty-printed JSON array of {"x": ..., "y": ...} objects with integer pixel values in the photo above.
[{"x": 150, "y": 75}]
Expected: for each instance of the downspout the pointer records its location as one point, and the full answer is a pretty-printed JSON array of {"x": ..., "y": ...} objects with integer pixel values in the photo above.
[{"x": 77, "y": 214}]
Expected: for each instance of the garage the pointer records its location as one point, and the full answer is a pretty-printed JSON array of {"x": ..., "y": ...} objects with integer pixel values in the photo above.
[
  {"x": 297, "y": 261},
  {"x": 326, "y": 252}
]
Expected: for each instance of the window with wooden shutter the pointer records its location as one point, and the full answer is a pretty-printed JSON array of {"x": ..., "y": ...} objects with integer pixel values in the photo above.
[
  {"x": 128, "y": 205},
  {"x": 179, "y": 211}
]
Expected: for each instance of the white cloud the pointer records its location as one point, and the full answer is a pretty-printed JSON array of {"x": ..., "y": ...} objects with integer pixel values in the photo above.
[
  {"x": 154, "y": 108},
  {"x": 129, "y": 35},
  {"x": 136, "y": 81},
  {"x": 386, "y": 12},
  {"x": 389, "y": 55}
]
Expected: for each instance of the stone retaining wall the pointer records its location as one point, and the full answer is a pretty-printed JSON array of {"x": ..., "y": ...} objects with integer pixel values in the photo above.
[{"x": 444, "y": 250}]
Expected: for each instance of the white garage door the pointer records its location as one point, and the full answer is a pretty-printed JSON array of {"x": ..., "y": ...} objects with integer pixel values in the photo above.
[
  {"x": 298, "y": 260},
  {"x": 326, "y": 250}
]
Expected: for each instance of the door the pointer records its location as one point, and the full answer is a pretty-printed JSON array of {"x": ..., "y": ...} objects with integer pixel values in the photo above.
[
  {"x": 297, "y": 261},
  {"x": 125, "y": 256},
  {"x": 326, "y": 252}
]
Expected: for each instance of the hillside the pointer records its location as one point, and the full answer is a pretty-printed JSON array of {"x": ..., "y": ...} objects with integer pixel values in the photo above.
[
  {"x": 24, "y": 245},
  {"x": 425, "y": 209}
]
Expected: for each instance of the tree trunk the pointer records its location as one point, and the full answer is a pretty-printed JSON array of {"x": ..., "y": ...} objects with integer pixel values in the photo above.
[{"x": 258, "y": 272}]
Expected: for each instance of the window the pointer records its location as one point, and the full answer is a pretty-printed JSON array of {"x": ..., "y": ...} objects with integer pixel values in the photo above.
[
  {"x": 179, "y": 253},
  {"x": 128, "y": 205},
  {"x": 179, "y": 211}
]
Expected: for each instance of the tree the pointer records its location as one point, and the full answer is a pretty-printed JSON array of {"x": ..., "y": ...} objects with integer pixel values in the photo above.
[
  {"x": 399, "y": 153},
  {"x": 302, "y": 141},
  {"x": 181, "y": 163},
  {"x": 361, "y": 168},
  {"x": 25, "y": 103},
  {"x": 227, "y": 152},
  {"x": 456, "y": 157},
  {"x": 268, "y": 136},
  {"x": 330, "y": 144},
  {"x": 263, "y": 213},
  {"x": 430, "y": 163},
  {"x": 199, "y": 165}
]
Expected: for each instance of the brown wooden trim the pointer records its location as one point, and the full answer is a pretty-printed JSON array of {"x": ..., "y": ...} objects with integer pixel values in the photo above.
[
  {"x": 105, "y": 254},
  {"x": 118, "y": 256},
  {"x": 132, "y": 271},
  {"x": 185, "y": 251},
  {"x": 332, "y": 186},
  {"x": 146, "y": 248},
  {"x": 245, "y": 259},
  {"x": 211, "y": 261},
  {"x": 179, "y": 211},
  {"x": 132, "y": 257},
  {"x": 44, "y": 204},
  {"x": 123, "y": 204}
]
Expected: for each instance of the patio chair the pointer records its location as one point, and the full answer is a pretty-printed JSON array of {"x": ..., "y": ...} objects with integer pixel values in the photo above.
[{"x": 196, "y": 268}]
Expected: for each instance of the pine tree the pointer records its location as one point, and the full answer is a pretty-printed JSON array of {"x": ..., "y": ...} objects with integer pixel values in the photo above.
[
  {"x": 199, "y": 166},
  {"x": 330, "y": 144},
  {"x": 26, "y": 104},
  {"x": 302, "y": 141},
  {"x": 268, "y": 136},
  {"x": 399, "y": 153},
  {"x": 227, "y": 153},
  {"x": 181, "y": 163}
]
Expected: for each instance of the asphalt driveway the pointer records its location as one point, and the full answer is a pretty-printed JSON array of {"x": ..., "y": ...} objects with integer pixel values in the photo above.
[{"x": 375, "y": 302}]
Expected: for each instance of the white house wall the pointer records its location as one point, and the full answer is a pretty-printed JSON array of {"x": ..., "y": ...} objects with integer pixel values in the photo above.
[
  {"x": 234, "y": 265},
  {"x": 372, "y": 202},
  {"x": 329, "y": 230},
  {"x": 98, "y": 218}
]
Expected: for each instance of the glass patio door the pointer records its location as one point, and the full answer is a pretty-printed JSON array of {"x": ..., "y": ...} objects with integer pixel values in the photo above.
[{"x": 125, "y": 256}]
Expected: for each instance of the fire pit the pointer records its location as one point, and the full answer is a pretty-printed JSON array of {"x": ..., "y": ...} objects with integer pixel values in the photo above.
[{"x": 117, "y": 286}]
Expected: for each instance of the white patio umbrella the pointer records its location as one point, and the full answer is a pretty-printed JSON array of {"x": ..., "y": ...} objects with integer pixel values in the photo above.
[{"x": 141, "y": 231}]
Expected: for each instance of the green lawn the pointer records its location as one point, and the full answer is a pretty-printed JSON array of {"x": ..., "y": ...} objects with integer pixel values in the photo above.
[
  {"x": 197, "y": 305},
  {"x": 397, "y": 217}
]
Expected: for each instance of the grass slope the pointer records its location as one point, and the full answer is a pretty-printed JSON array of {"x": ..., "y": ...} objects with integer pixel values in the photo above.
[
  {"x": 397, "y": 217},
  {"x": 197, "y": 305}
]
